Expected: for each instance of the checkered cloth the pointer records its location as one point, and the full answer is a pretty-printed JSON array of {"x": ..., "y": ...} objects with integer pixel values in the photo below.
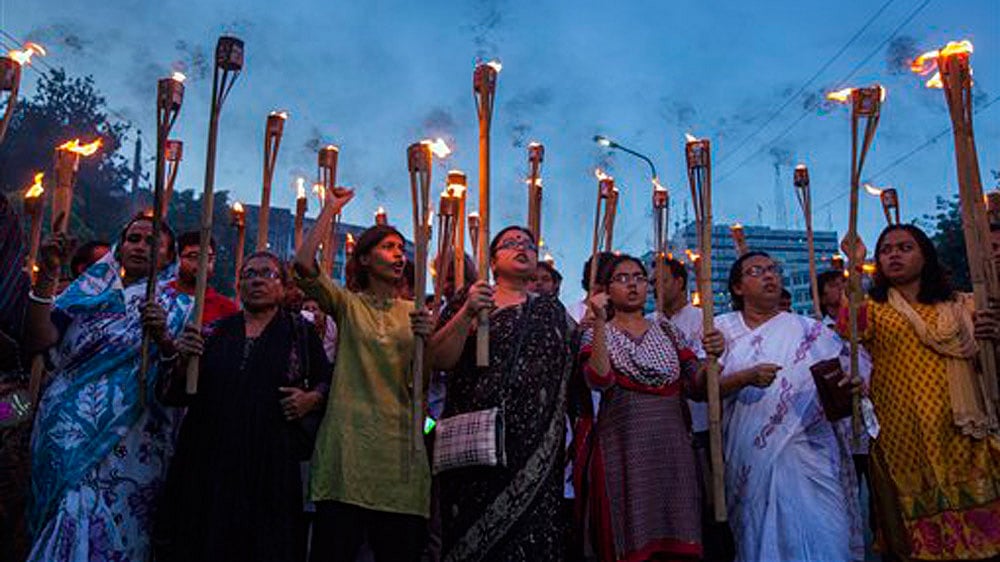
[{"x": 472, "y": 439}]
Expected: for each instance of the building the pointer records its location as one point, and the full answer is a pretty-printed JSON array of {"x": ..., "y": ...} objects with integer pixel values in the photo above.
[{"x": 787, "y": 247}]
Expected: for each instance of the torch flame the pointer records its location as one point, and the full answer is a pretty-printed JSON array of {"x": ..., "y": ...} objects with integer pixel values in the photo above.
[
  {"x": 538, "y": 181},
  {"x": 282, "y": 114},
  {"x": 178, "y": 77},
  {"x": 601, "y": 175},
  {"x": 36, "y": 189},
  {"x": 300, "y": 187},
  {"x": 237, "y": 207},
  {"x": 872, "y": 190},
  {"x": 736, "y": 226},
  {"x": 692, "y": 255},
  {"x": 496, "y": 65},
  {"x": 81, "y": 149},
  {"x": 23, "y": 56},
  {"x": 690, "y": 138},
  {"x": 438, "y": 147},
  {"x": 928, "y": 62},
  {"x": 840, "y": 96},
  {"x": 380, "y": 210},
  {"x": 320, "y": 192},
  {"x": 657, "y": 185}
]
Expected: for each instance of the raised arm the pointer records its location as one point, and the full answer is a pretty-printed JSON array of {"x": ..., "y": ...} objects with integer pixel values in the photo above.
[
  {"x": 40, "y": 332},
  {"x": 598, "y": 372},
  {"x": 305, "y": 258}
]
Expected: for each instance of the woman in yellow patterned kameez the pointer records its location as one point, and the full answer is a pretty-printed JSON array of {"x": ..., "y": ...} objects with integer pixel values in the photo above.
[{"x": 936, "y": 461}]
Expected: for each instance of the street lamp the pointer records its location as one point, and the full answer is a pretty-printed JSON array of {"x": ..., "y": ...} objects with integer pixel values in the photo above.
[{"x": 608, "y": 143}]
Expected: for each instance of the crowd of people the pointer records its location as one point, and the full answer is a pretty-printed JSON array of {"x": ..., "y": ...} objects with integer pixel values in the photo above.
[{"x": 584, "y": 435}]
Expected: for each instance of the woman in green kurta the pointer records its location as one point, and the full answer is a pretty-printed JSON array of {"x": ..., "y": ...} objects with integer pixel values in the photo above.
[{"x": 365, "y": 480}]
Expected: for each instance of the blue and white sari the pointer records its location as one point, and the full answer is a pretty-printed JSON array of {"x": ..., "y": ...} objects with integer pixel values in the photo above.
[{"x": 99, "y": 458}]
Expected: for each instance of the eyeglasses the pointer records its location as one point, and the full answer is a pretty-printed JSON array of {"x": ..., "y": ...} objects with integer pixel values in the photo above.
[
  {"x": 624, "y": 278},
  {"x": 196, "y": 255},
  {"x": 248, "y": 274},
  {"x": 525, "y": 245},
  {"x": 760, "y": 270}
]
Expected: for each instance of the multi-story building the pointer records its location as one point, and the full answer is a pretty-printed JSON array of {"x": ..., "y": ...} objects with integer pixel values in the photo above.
[{"x": 787, "y": 247}]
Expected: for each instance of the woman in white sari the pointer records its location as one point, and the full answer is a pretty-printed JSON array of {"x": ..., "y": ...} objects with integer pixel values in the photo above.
[{"x": 789, "y": 480}]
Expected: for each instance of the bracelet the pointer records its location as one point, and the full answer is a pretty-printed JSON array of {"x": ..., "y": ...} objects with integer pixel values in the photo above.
[
  {"x": 168, "y": 358},
  {"x": 39, "y": 300}
]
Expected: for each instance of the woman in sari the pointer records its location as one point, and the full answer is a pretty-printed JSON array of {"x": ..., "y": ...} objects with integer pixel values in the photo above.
[
  {"x": 644, "y": 496},
  {"x": 935, "y": 466},
  {"x": 367, "y": 475},
  {"x": 509, "y": 512},
  {"x": 234, "y": 490},
  {"x": 99, "y": 455}
]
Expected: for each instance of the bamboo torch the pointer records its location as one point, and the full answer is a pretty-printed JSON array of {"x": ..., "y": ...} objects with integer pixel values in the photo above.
[
  {"x": 447, "y": 211},
  {"x": 889, "y": 198},
  {"x": 739, "y": 236},
  {"x": 34, "y": 205},
  {"x": 993, "y": 207},
  {"x": 801, "y": 181},
  {"x": 67, "y": 164},
  {"x": 419, "y": 164},
  {"x": 610, "y": 213},
  {"x": 169, "y": 97},
  {"x": 273, "y": 130},
  {"x": 484, "y": 84},
  {"x": 866, "y": 105},
  {"x": 301, "y": 206},
  {"x": 661, "y": 220},
  {"x": 699, "y": 168},
  {"x": 605, "y": 192},
  {"x": 10, "y": 79},
  {"x": 473, "y": 219},
  {"x": 955, "y": 78},
  {"x": 238, "y": 220},
  {"x": 327, "y": 163},
  {"x": 349, "y": 246},
  {"x": 228, "y": 65},
  {"x": 458, "y": 187},
  {"x": 536, "y": 153},
  {"x": 381, "y": 217},
  {"x": 174, "y": 154}
]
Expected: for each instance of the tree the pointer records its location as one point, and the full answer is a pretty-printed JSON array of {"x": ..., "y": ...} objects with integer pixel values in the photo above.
[
  {"x": 64, "y": 108},
  {"x": 946, "y": 233}
]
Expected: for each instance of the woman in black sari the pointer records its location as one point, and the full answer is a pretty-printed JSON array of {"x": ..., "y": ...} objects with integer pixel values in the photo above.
[
  {"x": 509, "y": 512},
  {"x": 234, "y": 489}
]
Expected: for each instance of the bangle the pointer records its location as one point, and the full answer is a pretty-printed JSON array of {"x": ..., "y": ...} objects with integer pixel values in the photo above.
[
  {"x": 168, "y": 358},
  {"x": 39, "y": 300}
]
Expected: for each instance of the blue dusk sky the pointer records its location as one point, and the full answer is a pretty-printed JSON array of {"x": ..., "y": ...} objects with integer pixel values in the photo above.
[{"x": 375, "y": 76}]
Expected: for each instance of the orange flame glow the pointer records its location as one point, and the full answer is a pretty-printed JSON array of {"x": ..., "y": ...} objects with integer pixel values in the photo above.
[
  {"x": 238, "y": 207},
  {"x": 320, "y": 192},
  {"x": 844, "y": 96},
  {"x": 300, "y": 188},
  {"x": 438, "y": 147},
  {"x": 872, "y": 190},
  {"x": 23, "y": 56},
  {"x": 599, "y": 173},
  {"x": 928, "y": 62},
  {"x": 36, "y": 189},
  {"x": 736, "y": 226},
  {"x": 283, "y": 114},
  {"x": 74, "y": 146},
  {"x": 178, "y": 77},
  {"x": 688, "y": 137},
  {"x": 538, "y": 181},
  {"x": 496, "y": 65}
]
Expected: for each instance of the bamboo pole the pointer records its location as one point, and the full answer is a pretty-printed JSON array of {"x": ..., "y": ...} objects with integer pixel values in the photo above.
[
  {"x": 327, "y": 159},
  {"x": 605, "y": 189},
  {"x": 802, "y": 190},
  {"x": 273, "y": 131},
  {"x": 661, "y": 215},
  {"x": 739, "y": 238},
  {"x": 699, "y": 166},
  {"x": 174, "y": 150},
  {"x": 458, "y": 186},
  {"x": 419, "y": 163},
  {"x": 228, "y": 65},
  {"x": 34, "y": 207},
  {"x": 10, "y": 82},
  {"x": 484, "y": 83},
  {"x": 447, "y": 210},
  {"x": 890, "y": 205},
  {"x": 536, "y": 153},
  {"x": 238, "y": 219}
]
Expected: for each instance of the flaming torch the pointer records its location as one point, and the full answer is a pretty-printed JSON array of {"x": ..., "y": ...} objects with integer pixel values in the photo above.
[
  {"x": 866, "y": 104},
  {"x": 699, "y": 168},
  {"x": 536, "y": 152},
  {"x": 272, "y": 140},
  {"x": 603, "y": 225},
  {"x": 661, "y": 214},
  {"x": 301, "y": 206},
  {"x": 457, "y": 188},
  {"x": 381, "y": 218},
  {"x": 801, "y": 182},
  {"x": 169, "y": 97},
  {"x": 954, "y": 76},
  {"x": 67, "y": 164},
  {"x": 174, "y": 153},
  {"x": 484, "y": 86},
  {"x": 349, "y": 246},
  {"x": 473, "y": 219},
  {"x": 238, "y": 219},
  {"x": 327, "y": 160},
  {"x": 228, "y": 65},
  {"x": 419, "y": 158},
  {"x": 447, "y": 212},
  {"x": 739, "y": 238},
  {"x": 10, "y": 79},
  {"x": 33, "y": 207},
  {"x": 890, "y": 202}
]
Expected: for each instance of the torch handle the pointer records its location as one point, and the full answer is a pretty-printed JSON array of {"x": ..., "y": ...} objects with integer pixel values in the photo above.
[
  {"x": 35, "y": 241},
  {"x": 460, "y": 244},
  {"x": 241, "y": 241},
  {"x": 11, "y": 104},
  {"x": 483, "y": 328}
]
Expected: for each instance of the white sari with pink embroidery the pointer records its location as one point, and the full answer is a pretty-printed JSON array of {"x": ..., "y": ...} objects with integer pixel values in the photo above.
[{"x": 790, "y": 486}]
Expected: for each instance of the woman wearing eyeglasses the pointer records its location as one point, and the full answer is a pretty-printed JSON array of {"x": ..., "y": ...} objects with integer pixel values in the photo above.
[
  {"x": 791, "y": 488},
  {"x": 643, "y": 499},
  {"x": 365, "y": 476},
  {"x": 509, "y": 511},
  {"x": 99, "y": 455},
  {"x": 234, "y": 490}
]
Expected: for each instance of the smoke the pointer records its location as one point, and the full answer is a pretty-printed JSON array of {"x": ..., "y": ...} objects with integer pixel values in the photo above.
[
  {"x": 314, "y": 141},
  {"x": 900, "y": 53},
  {"x": 522, "y": 110},
  {"x": 193, "y": 61},
  {"x": 439, "y": 122},
  {"x": 486, "y": 24},
  {"x": 60, "y": 37},
  {"x": 780, "y": 156},
  {"x": 679, "y": 113}
]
